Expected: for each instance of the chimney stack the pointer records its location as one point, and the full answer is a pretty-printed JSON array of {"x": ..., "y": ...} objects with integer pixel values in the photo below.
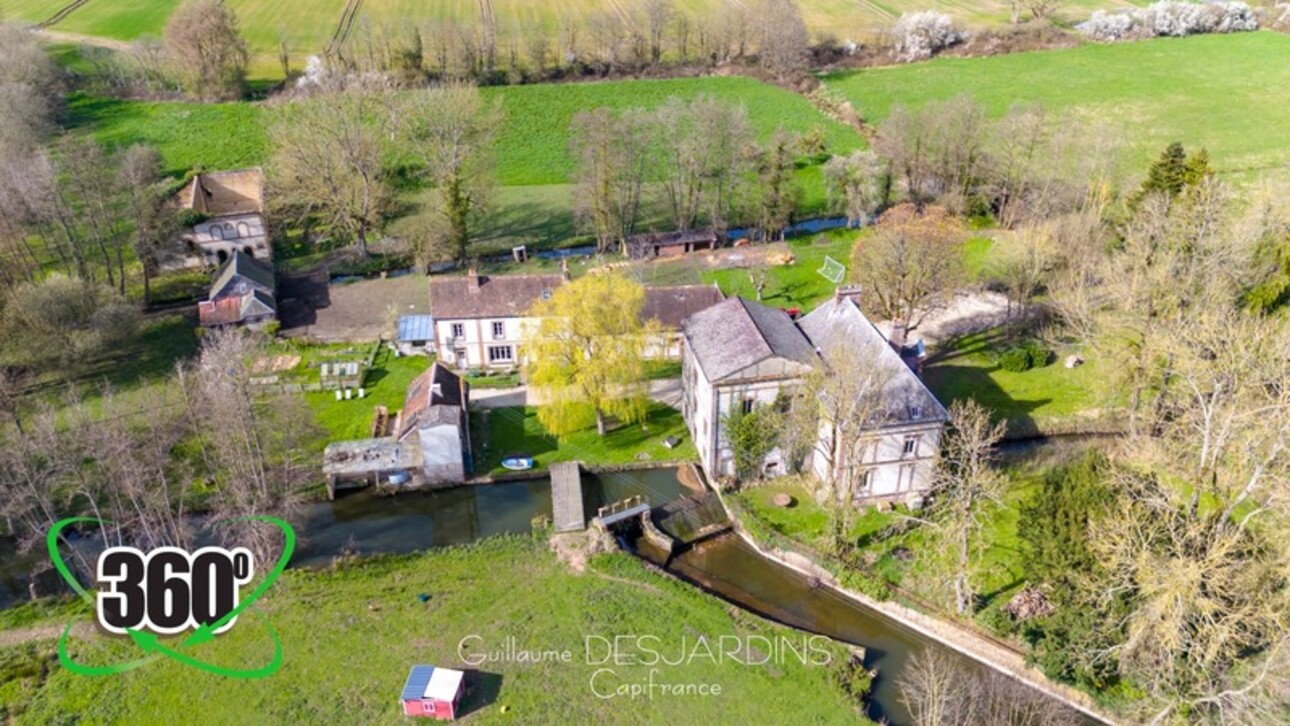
[
  {"x": 472, "y": 280},
  {"x": 898, "y": 336},
  {"x": 847, "y": 292}
]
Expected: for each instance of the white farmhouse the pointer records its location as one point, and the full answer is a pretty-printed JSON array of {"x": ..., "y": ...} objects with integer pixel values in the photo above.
[
  {"x": 479, "y": 320},
  {"x": 742, "y": 354}
]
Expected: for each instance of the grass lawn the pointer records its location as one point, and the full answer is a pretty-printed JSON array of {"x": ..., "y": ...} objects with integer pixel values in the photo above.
[
  {"x": 350, "y": 634},
  {"x": 1051, "y": 398},
  {"x": 387, "y": 385},
  {"x": 188, "y": 135},
  {"x": 499, "y": 432},
  {"x": 799, "y": 284},
  {"x": 1216, "y": 91}
]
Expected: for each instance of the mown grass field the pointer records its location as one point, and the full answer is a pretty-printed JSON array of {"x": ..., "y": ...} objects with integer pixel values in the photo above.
[
  {"x": 349, "y": 636},
  {"x": 386, "y": 385},
  {"x": 308, "y": 28},
  {"x": 1228, "y": 93}
]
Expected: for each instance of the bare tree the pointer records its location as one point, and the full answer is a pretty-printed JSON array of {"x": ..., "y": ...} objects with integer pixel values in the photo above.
[
  {"x": 966, "y": 482},
  {"x": 784, "y": 45},
  {"x": 702, "y": 154},
  {"x": 449, "y": 132},
  {"x": 933, "y": 688},
  {"x": 206, "y": 49},
  {"x": 777, "y": 191},
  {"x": 258, "y": 449},
  {"x": 911, "y": 264},
  {"x": 612, "y": 150},
  {"x": 153, "y": 221},
  {"x": 329, "y": 159},
  {"x": 658, "y": 14},
  {"x": 856, "y": 184},
  {"x": 833, "y": 418}
]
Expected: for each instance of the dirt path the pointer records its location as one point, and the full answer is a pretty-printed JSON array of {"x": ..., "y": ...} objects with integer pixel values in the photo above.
[
  {"x": 9, "y": 638},
  {"x": 967, "y": 313},
  {"x": 59, "y": 36}
]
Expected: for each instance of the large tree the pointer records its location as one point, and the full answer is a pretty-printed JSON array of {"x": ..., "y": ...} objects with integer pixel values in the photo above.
[
  {"x": 449, "y": 132},
  {"x": 612, "y": 151},
  {"x": 329, "y": 160},
  {"x": 584, "y": 358},
  {"x": 858, "y": 185},
  {"x": 206, "y": 49},
  {"x": 704, "y": 152},
  {"x": 910, "y": 264}
]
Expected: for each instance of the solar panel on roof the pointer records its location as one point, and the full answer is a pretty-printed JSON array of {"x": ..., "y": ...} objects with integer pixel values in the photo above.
[{"x": 418, "y": 678}]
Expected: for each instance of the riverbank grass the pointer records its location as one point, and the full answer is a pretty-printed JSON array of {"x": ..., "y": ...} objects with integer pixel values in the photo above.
[
  {"x": 350, "y": 633},
  {"x": 500, "y": 432}
]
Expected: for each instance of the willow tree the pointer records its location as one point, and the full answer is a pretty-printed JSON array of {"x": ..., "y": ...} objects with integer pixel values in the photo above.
[{"x": 584, "y": 359}]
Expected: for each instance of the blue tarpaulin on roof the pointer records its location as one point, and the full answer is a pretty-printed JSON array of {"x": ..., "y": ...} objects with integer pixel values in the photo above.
[
  {"x": 413, "y": 328},
  {"x": 418, "y": 679}
]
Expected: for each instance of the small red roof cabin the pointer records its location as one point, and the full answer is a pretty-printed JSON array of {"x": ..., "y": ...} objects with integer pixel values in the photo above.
[{"x": 433, "y": 692}]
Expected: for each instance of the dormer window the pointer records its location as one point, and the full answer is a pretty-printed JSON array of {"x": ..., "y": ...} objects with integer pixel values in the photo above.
[{"x": 546, "y": 293}]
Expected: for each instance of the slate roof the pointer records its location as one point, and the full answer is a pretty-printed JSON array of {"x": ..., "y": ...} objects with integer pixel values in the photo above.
[
  {"x": 241, "y": 267},
  {"x": 737, "y": 333},
  {"x": 225, "y": 193},
  {"x": 435, "y": 396},
  {"x": 841, "y": 322},
  {"x": 415, "y": 327},
  {"x": 672, "y": 305},
  {"x": 503, "y": 296}
]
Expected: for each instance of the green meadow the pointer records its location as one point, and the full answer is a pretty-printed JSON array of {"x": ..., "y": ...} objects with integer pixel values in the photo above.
[
  {"x": 350, "y": 633},
  {"x": 1228, "y": 93}
]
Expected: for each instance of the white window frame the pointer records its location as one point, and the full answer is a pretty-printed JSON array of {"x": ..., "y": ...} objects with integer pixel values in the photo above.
[
  {"x": 494, "y": 350},
  {"x": 499, "y": 330},
  {"x": 458, "y": 330}
]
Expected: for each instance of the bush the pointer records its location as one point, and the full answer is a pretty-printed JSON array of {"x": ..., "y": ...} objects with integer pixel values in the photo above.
[
  {"x": 922, "y": 34},
  {"x": 1037, "y": 352},
  {"x": 1015, "y": 360},
  {"x": 1171, "y": 18}
]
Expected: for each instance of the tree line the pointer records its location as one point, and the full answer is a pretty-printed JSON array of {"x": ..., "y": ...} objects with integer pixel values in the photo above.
[{"x": 212, "y": 443}]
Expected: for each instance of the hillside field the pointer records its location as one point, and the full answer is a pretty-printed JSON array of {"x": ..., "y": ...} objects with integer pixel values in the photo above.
[
  {"x": 1228, "y": 93},
  {"x": 534, "y": 166},
  {"x": 309, "y": 27}
]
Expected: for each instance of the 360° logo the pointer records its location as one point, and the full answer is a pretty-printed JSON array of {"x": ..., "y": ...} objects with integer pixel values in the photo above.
[{"x": 167, "y": 591}]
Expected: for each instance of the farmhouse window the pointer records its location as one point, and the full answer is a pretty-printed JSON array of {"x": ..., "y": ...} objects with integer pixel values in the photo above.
[
  {"x": 911, "y": 445},
  {"x": 499, "y": 330},
  {"x": 500, "y": 354},
  {"x": 458, "y": 330},
  {"x": 748, "y": 405}
]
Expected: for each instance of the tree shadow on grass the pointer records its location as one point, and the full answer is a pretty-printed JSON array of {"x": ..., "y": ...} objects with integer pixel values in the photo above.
[
  {"x": 540, "y": 224},
  {"x": 952, "y": 383}
]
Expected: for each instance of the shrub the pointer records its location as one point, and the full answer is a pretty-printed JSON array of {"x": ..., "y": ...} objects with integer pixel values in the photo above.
[
  {"x": 1037, "y": 352},
  {"x": 1171, "y": 18},
  {"x": 922, "y": 34},
  {"x": 1015, "y": 360}
]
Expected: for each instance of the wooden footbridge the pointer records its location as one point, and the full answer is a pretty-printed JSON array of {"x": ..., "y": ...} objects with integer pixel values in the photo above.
[{"x": 566, "y": 497}]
